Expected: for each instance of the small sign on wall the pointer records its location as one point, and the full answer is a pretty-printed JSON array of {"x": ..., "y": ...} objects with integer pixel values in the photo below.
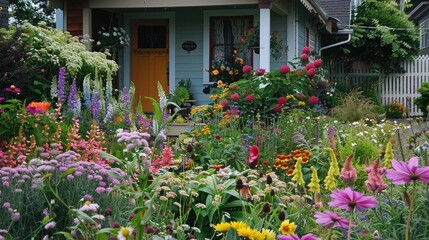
[{"x": 189, "y": 46}]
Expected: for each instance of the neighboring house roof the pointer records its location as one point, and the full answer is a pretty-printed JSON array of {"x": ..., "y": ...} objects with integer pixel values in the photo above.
[
  {"x": 420, "y": 11},
  {"x": 338, "y": 9}
]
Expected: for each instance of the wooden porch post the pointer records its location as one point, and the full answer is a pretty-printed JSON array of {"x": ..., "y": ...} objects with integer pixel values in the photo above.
[{"x": 264, "y": 33}]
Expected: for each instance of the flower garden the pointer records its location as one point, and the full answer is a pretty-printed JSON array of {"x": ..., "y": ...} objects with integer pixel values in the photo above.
[{"x": 266, "y": 160}]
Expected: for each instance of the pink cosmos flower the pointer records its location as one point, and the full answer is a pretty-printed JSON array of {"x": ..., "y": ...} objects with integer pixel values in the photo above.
[
  {"x": 313, "y": 100},
  {"x": 304, "y": 57},
  {"x": 235, "y": 97},
  {"x": 306, "y": 50},
  {"x": 318, "y": 63},
  {"x": 404, "y": 173},
  {"x": 296, "y": 237},
  {"x": 250, "y": 98},
  {"x": 284, "y": 69},
  {"x": 311, "y": 72},
  {"x": 1, "y": 99},
  {"x": 349, "y": 199},
  {"x": 331, "y": 220},
  {"x": 247, "y": 69}
]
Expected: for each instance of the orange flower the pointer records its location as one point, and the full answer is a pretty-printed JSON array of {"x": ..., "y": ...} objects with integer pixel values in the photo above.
[{"x": 43, "y": 106}]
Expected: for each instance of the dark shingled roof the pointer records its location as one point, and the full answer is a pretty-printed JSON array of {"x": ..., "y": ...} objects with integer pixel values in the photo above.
[{"x": 339, "y": 9}]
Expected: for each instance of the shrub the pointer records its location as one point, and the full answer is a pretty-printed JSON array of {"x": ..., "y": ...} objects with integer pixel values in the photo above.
[
  {"x": 423, "y": 101},
  {"x": 354, "y": 106},
  {"x": 395, "y": 109}
]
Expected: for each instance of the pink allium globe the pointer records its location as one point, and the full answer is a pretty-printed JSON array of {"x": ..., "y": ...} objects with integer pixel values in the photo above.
[
  {"x": 311, "y": 72},
  {"x": 247, "y": 69},
  {"x": 318, "y": 63},
  {"x": 278, "y": 108},
  {"x": 250, "y": 98},
  {"x": 306, "y": 50},
  {"x": 235, "y": 97},
  {"x": 281, "y": 100},
  {"x": 284, "y": 69},
  {"x": 313, "y": 100},
  {"x": 309, "y": 66},
  {"x": 304, "y": 57}
]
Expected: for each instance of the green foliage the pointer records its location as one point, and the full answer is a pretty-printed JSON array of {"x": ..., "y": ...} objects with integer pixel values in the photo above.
[
  {"x": 180, "y": 95},
  {"x": 383, "y": 36},
  {"x": 33, "y": 11},
  {"x": 30, "y": 57},
  {"x": 423, "y": 101},
  {"x": 354, "y": 106}
]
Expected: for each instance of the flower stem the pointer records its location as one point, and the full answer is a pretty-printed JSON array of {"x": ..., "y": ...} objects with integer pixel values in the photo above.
[
  {"x": 410, "y": 211},
  {"x": 349, "y": 234},
  {"x": 330, "y": 233}
]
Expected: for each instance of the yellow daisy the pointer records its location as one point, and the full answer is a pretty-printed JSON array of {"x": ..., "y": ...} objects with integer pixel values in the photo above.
[
  {"x": 238, "y": 225},
  {"x": 287, "y": 227},
  {"x": 268, "y": 234},
  {"x": 222, "y": 227}
]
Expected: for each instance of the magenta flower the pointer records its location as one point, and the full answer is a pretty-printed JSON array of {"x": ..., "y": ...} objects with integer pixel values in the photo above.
[
  {"x": 349, "y": 199},
  {"x": 13, "y": 89},
  {"x": 1, "y": 99},
  {"x": 296, "y": 237},
  {"x": 304, "y": 57},
  {"x": 235, "y": 97},
  {"x": 404, "y": 173},
  {"x": 250, "y": 98},
  {"x": 318, "y": 63},
  {"x": 313, "y": 100},
  {"x": 306, "y": 50},
  {"x": 247, "y": 69},
  {"x": 254, "y": 154},
  {"x": 284, "y": 69},
  {"x": 33, "y": 110},
  {"x": 311, "y": 72},
  {"x": 260, "y": 71},
  {"x": 278, "y": 108},
  {"x": 331, "y": 220},
  {"x": 281, "y": 100}
]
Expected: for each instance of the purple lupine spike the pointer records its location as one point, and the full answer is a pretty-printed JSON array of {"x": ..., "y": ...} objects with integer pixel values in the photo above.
[
  {"x": 61, "y": 85},
  {"x": 95, "y": 106},
  {"x": 72, "y": 98}
]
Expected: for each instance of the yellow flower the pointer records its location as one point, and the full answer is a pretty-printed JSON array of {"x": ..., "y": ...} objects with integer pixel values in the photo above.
[
  {"x": 217, "y": 107},
  {"x": 222, "y": 227},
  {"x": 196, "y": 133},
  {"x": 220, "y": 84},
  {"x": 287, "y": 227},
  {"x": 215, "y": 72},
  {"x": 206, "y": 130},
  {"x": 231, "y": 72},
  {"x": 214, "y": 97},
  {"x": 388, "y": 156},
  {"x": 250, "y": 233},
  {"x": 314, "y": 182},
  {"x": 238, "y": 225},
  {"x": 334, "y": 170},
  {"x": 301, "y": 103},
  {"x": 268, "y": 234},
  {"x": 297, "y": 173},
  {"x": 47, "y": 175},
  {"x": 290, "y": 96},
  {"x": 222, "y": 68}
]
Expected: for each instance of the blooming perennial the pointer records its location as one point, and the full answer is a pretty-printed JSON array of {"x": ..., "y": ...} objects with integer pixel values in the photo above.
[
  {"x": 349, "y": 200},
  {"x": 331, "y": 220},
  {"x": 404, "y": 173}
]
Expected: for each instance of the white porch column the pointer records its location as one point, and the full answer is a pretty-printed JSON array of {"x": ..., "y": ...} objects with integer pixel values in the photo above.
[{"x": 264, "y": 34}]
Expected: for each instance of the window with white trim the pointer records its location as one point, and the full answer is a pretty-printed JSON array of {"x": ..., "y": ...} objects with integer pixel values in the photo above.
[{"x": 424, "y": 34}]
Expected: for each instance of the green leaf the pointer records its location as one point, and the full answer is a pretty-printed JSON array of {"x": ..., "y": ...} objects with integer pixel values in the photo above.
[
  {"x": 84, "y": 216},
  {"x": 231, "y": 234},
  {"x": 67, "y": 235},
  {"x": 67, "y": 172},
  {"x": 115, "y": 175},
  {"x": 108, "y": 156}
]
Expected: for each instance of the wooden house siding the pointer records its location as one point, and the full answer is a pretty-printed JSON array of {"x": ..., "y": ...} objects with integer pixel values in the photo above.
[{"x": 75, "y": 17}]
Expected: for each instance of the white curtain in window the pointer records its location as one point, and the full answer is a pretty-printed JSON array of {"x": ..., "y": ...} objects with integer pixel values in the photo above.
[{"x": 218, "y": 37}]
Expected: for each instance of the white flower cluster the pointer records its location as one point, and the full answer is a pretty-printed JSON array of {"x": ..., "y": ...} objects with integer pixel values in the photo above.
[{"x": 112, "y": 39}]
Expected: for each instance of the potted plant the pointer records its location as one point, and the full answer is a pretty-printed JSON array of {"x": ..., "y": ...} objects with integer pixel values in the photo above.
[{"x": 251, "y": 41}]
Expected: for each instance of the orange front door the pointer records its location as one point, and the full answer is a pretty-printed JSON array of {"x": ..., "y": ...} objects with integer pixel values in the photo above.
[{"x": 149, "y": 59}]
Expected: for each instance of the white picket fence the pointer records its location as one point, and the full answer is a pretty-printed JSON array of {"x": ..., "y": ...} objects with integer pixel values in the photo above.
[{"x": 399, "y": 86}]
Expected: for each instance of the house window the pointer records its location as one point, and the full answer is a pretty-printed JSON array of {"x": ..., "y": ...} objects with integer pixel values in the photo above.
[
  {"x": 310, "y": 39},
  {"x": 225, "y": 32},
  {"x": 424, "y": 34}
]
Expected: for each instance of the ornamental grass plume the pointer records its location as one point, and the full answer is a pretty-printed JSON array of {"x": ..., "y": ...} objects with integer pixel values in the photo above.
[
  {"x": 404, "y": 173},
  {"x": 388, "y": 156},
  {"x": 330, "y": 180},
  {"x": 348, "y": 172}
]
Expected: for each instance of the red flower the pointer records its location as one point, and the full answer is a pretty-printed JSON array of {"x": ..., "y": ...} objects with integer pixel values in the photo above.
[
  {"x": 242, "y": 40},
  {"x": 301, "y": 96},
  {"x": 250, "y": 98},
  {"x": 235, "y": 97},
  {"x": 224, "y": 103},
  {"x": 217, "y": 137},
  {"x": 247, "y": 69},
  {"x": 311, "y": 72},
  {"x": 309, "y": 66},
  {"x": 304, "y": 57},
  {"x": 233, "y": 87},
  {"x": 278, "y": 108},
  {"x": 318, "y": 63},
  {"x": 306, "y": 50},
  {"x": 313, "y": 100},
  {"x": 281, "y": 100},
  {"x": 260, "y": 71},
  {"x": 284, "y": 69},
  {"x": 253, "y": 154}
]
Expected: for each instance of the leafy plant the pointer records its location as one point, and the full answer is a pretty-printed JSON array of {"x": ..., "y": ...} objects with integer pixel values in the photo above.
[
  {"x": 423, "y": 101},
  {"x": 354, "y": 106},
  {"x": 180, "y": 96}
]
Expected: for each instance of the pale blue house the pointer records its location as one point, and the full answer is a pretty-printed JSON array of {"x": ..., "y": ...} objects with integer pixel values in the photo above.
[{"x": 178, "y": 39}]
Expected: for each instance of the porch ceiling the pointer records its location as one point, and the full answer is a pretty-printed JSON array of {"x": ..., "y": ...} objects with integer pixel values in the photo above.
[{"x": 164, "y": 3}]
